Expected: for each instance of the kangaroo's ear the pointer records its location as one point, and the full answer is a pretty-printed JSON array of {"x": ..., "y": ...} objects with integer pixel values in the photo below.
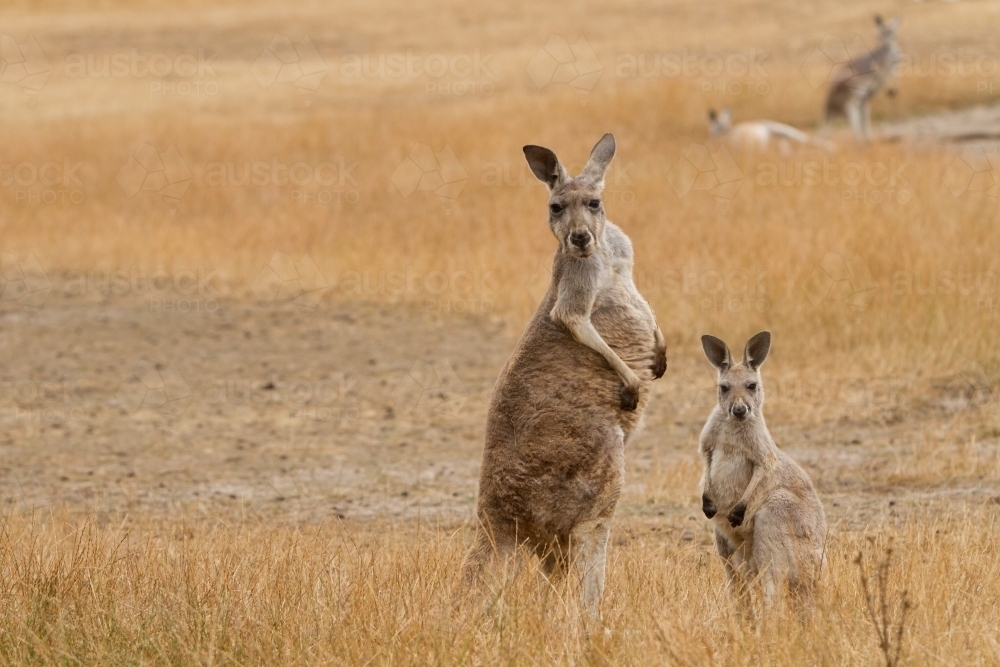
[
  {"x": 600, "y": 158},
  {"x": 545, "y": 165},
  {"x": 717, "y": 352},
  {"x": 757, "y": 349}
]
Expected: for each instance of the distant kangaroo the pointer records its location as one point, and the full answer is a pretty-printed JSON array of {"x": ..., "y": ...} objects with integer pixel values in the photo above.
[
  {"x": 758, "y": 134},
  {"x": 572, "y": 393},
  {"x": 769, "y": 523},
  {"x": 855, "y": 83}
]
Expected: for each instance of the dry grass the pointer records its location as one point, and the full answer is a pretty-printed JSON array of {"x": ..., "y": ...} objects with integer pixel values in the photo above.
[
  {"x": 210, "y": 594},
  {"x": 921, "y": 334}
]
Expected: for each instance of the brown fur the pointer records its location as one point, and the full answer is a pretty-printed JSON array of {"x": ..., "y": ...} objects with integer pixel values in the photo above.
[
  {"x": 561, "y": 414},
  {"x": 769, "y": 523}
]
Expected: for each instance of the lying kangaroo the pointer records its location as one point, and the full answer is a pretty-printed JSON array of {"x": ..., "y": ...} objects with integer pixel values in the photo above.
[
  {"x": 855, "y": 83},
  {"x": 769, "y": 523},
  {"x": 572, "y": 393},
  {"x": 758, "y": 134}
]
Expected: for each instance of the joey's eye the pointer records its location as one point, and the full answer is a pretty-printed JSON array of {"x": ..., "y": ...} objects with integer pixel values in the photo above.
[
  {"x": 556, "y": 208},
  {"x": 594, "y": 204},
  {"x": 752, "y": 386},
  {"x": 723, "y": 388}
]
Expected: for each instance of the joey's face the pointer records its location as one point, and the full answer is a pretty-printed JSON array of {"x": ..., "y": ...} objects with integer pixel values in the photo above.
[
  {"x": 741, "y": 394},
  {"x": 576, "y": 216}
]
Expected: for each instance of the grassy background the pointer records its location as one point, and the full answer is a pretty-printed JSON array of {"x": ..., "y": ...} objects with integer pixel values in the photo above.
[{"x": 879, "y": 282}]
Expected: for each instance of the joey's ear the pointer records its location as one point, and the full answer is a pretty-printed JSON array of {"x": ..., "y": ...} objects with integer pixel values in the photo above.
[
  {"x": 894, "y": 23},
  {"x": 545, "y": 165},
  {"x": 878, "y": 20},
  {"x": 717, "y": 352},
  {"x": 600, "y": 158},
  {"x": 757, "y": 349},
  {"x": 711, "y": 115}
]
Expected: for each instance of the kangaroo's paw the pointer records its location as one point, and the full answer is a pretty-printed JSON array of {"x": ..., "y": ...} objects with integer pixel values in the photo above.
[
  {"x": 736, "y": 516},
  {"x": 629, "y": 399},
  {"x": 707, "y": 506},
  {"x": 659, "y": 366}
]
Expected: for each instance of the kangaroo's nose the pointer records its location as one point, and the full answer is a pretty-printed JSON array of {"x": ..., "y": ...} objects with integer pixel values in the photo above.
[
  {"x": 580, "y": 239},
  {"x": 739, "y": 411}
]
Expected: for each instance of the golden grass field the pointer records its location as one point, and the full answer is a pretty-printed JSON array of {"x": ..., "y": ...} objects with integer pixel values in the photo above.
[{"x": 251, "y": 317}]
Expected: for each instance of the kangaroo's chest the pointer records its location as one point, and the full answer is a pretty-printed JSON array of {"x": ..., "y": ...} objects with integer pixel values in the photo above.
[
  {"x": 729, "y": 474},
  {"x": 620, "y": 314}
]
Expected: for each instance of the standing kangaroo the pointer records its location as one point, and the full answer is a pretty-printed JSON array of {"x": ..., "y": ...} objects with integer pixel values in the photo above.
[
  {"x": 572, "y": 393},
  {"x": 769, "y": 523},
  {"x": 856, "y": 82}
]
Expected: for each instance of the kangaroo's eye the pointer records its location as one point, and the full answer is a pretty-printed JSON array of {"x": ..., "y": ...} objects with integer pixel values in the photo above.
[
  {"x": 724, "y": 388},
  {"x": 752, "y": 386},
  {"x": 556, "y": 209},
  {"x": 594, "y": 204}
]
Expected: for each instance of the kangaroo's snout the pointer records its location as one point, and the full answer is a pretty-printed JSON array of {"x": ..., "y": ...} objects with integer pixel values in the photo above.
[
  {"x": 580, "y": 239},
  {"x": 740, "y": 411}
]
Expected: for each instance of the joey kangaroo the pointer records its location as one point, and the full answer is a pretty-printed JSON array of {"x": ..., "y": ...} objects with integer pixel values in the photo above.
[
  {"x": 855, "y": 83},
  {"x": 572, "y": 393},
  {"x": 769, "y": 523}
]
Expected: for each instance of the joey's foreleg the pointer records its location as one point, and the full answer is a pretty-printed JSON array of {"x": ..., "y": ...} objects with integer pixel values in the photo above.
[{"x": 738, "y": 513}]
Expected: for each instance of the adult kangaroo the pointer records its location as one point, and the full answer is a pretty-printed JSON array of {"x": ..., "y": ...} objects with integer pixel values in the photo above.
[
  {"x": 854, "y": 83},
  {"x": 572, "y": 393}
]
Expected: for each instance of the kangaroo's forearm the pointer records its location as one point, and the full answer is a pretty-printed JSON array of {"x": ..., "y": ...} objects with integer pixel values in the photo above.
[
  {"x": 585, "y": 334},
  {"x": 706, "y": 456},
  {"x": 658, "y": 340},
  {"x": 759, "y": 472}
]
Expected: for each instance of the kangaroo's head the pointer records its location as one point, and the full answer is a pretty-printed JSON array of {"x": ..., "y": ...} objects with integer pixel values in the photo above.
[
  {"x": 719, "y": 123},
  {"x": 888, "y": 46},
  {"x": 576, "y": 210},
  {"x": 741, "y": 393},
  {"x": 887, "y": 29}
]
